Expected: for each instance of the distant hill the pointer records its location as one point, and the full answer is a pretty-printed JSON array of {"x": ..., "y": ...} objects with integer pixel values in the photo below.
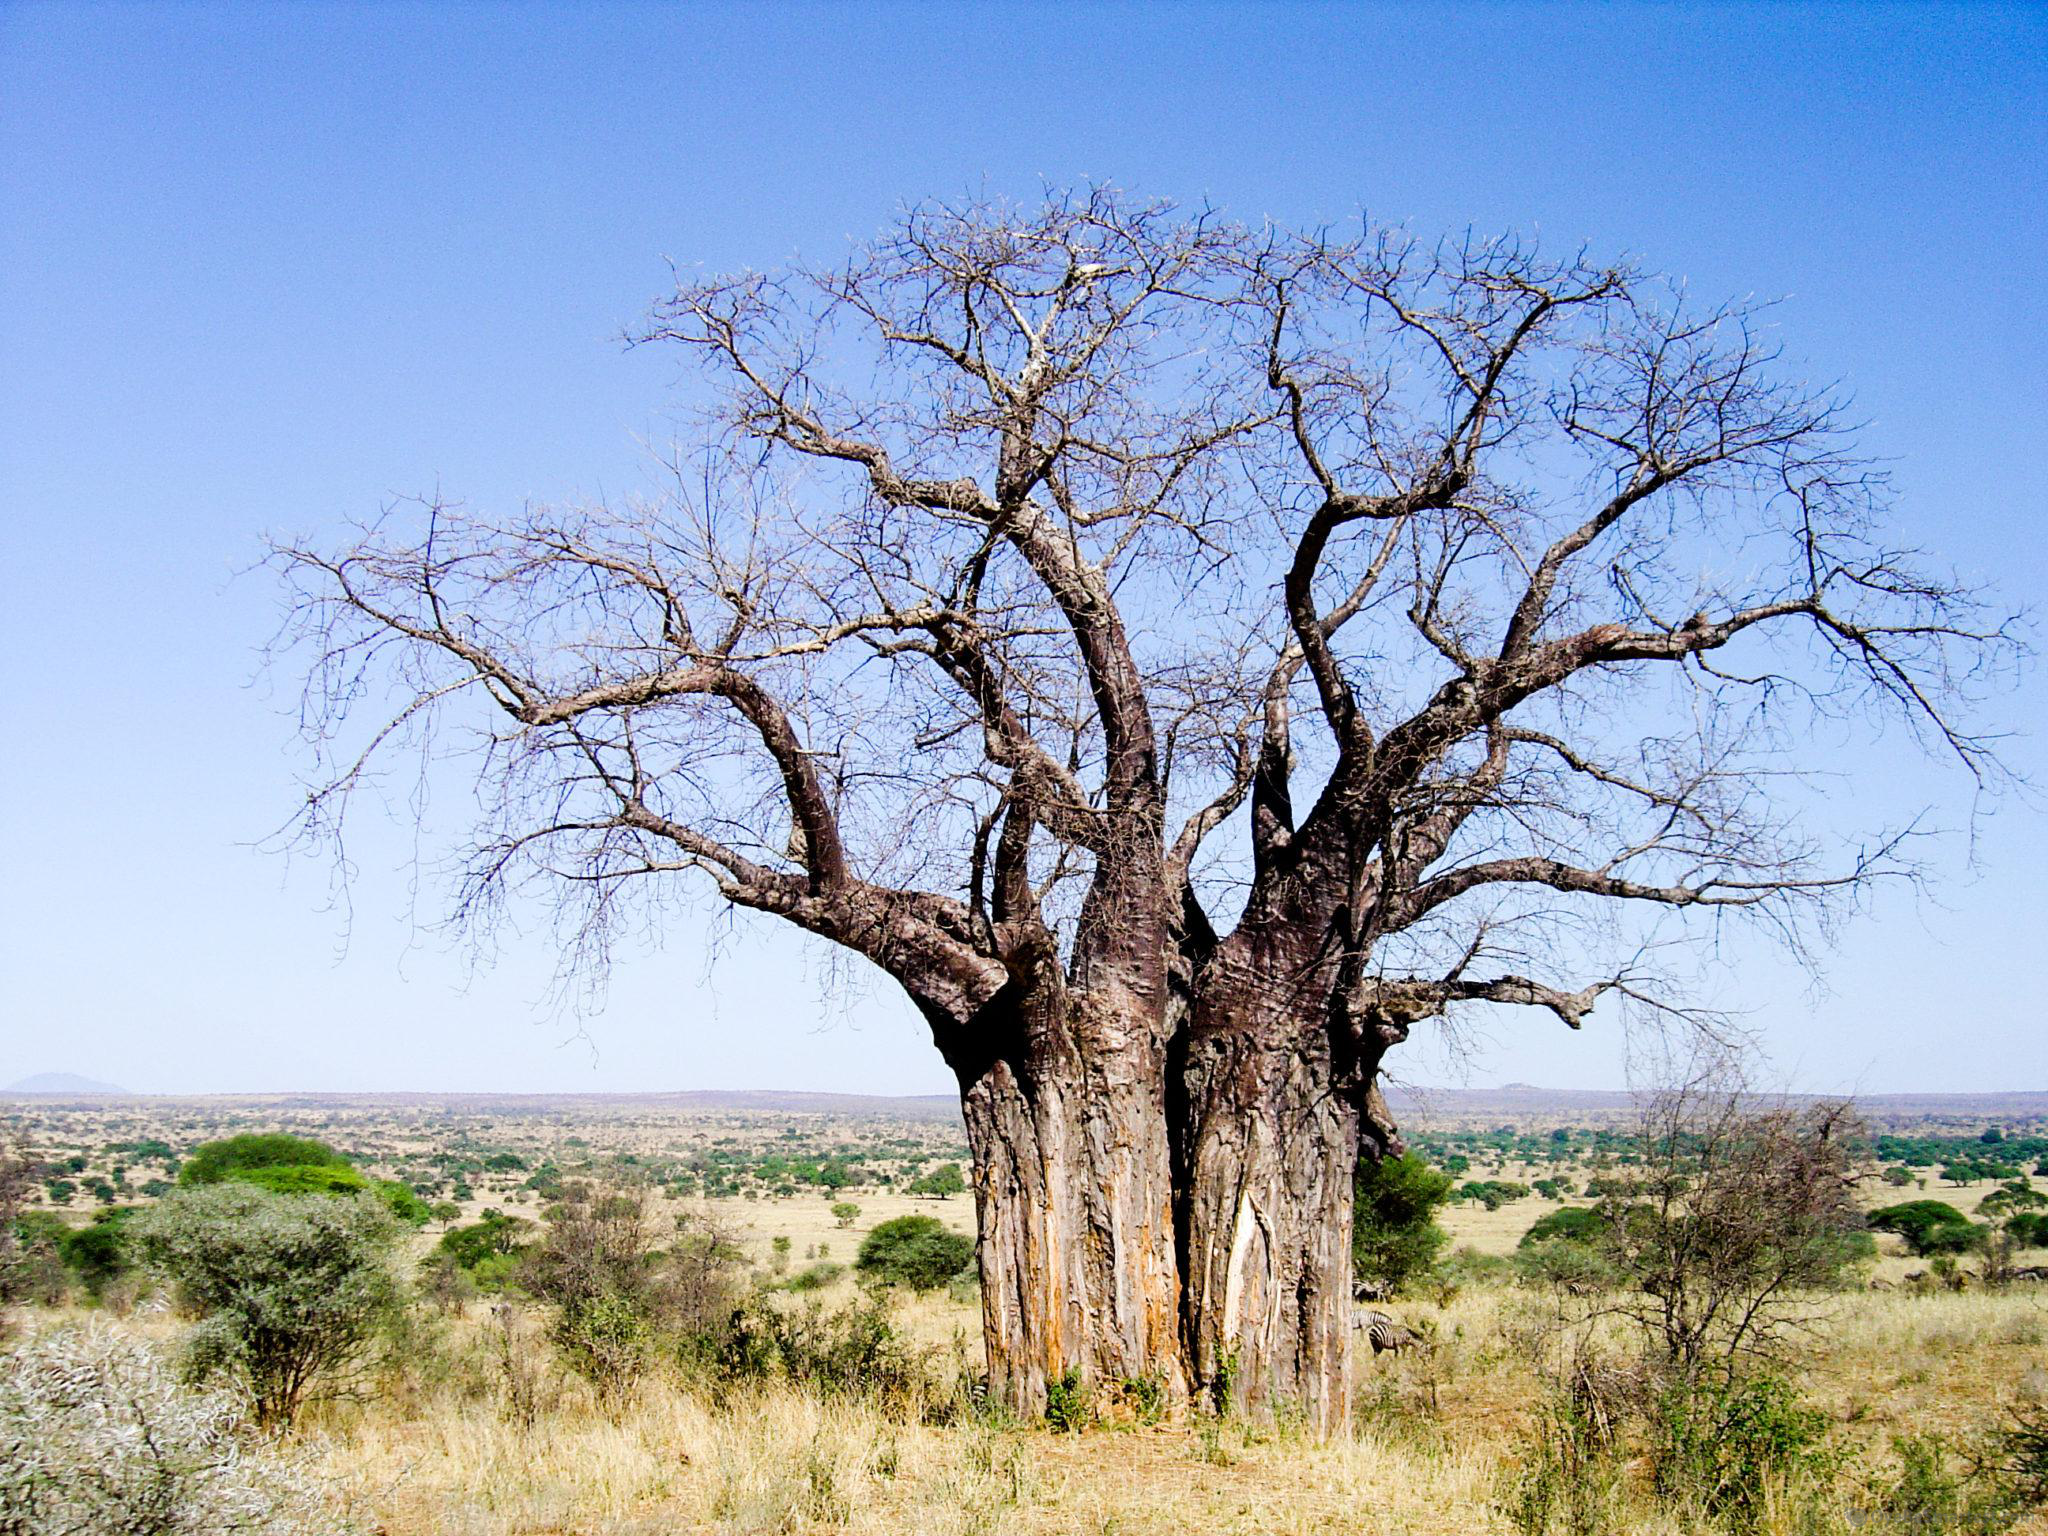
[{"x": 65, "y": 1083}]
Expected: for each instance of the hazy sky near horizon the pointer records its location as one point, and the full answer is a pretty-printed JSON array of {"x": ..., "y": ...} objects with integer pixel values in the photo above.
[{"x": 268, "y": 267}]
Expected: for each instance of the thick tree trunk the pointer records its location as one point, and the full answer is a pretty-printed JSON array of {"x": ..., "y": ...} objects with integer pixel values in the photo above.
[
  {"x": 1065, "y": 1110},
  {"x": 1267, "y": 1144}
]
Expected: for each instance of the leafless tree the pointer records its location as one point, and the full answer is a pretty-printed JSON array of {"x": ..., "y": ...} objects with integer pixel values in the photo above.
[
  {"x": 1740, "y": 1215},
  {"x": 1185, "y": 657}
]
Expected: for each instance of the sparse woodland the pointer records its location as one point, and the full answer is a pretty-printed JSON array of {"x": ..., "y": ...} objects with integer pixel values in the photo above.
[{"x": 1713, "y": 1315}]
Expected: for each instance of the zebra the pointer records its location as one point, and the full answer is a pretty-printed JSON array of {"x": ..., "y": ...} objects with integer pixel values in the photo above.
[{"x": 1382, "y": 1332}]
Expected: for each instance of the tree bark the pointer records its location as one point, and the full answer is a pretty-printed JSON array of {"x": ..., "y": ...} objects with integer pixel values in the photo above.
[
  {"x": 1065, "y": 1110},
  {"x": 1266, "y": 1150}
]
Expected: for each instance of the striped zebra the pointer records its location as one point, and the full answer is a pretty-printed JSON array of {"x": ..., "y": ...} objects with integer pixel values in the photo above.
[{"x": 1382, "y": 1332}]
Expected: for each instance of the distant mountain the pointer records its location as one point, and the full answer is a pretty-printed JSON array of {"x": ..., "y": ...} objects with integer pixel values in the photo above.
[{"x": 64, "y": 1083}]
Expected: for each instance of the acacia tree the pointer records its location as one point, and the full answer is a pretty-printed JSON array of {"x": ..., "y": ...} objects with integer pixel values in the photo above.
[{"x": 1185, "y": 657}]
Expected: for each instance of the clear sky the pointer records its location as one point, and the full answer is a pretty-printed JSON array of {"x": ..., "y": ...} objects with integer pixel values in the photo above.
[{"x": 265, "y": 267}]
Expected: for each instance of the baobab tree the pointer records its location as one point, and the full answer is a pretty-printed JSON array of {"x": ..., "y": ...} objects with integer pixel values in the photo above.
[{"x": 1186, "y": 658}]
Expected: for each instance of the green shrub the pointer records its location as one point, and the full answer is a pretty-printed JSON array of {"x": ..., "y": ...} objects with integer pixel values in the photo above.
[
  {"x": 493, "y": 1235},
  {"x": 851, "y": 1351},
  {"x": 329, "y": 1179},
  {"x": 291, "y": 1288},
  {"x": 1394, "y": 1233},
  {"x": 1068, "y": 1403},
  {"x": 217, "y": 1159},
  {"x": 1722, "y": 1447},
  {"x": 1936, "y": 1493},
  {"x": 1491, "y": 1193},
  {"x": 814, "y": 1277},
  {"x": 917, "y": 1251},
  {"x": 99, "y": 1254},
  {"x": 1570, "y": 1223},
  {"x": 1569, "y": 1476},
  {"x": 1929, "y": 1226},
  {"x": 2029, "y": 1229}
]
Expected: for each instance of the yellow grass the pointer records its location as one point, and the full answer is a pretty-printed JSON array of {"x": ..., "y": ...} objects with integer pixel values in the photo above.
[{"x": 443, "y": 1457}]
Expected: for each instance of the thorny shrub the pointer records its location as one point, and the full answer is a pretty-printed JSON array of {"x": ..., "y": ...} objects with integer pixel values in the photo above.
[{"x": 97, "y": 1437}]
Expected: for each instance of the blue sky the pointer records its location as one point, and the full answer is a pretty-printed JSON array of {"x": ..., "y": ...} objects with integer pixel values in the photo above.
[{"x": 265, "y": 267}]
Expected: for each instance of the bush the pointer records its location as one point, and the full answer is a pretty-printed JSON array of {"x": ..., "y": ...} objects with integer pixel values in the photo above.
[
  {"x": 328, "y": 1179},
  {"x": 1570, "y": 1223},
  {"x": 291, "y": 1288},
  {"x": 1736, "y": 1213},
  {"x": 1723, "y": 1447},
  {"x": 217, "y": 1159},
  {"x": 596, "y": 1266},
  {"x": 1069, "y": 1405},
  {"x": 814, "y": 1277},
  {"x": 1929, "y": 1226},
  {"x": 1492, "y": 1193},
  {"x": 2029, "y": 1229},
  {"x": 100, "y": 1253},
  {"x": 96, "y": 1436},
  {"x": 917, "y": 1251},
  {"x": 1394, "y": 1234},
  {"x": 852, "y": 1351},
  {"x": 845, "y": 1213},
  {"x": 18, "y": 1173},
  {"x": 493, "y": 1235}
]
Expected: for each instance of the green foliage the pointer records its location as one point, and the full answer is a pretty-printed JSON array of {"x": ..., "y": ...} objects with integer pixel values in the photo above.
[
  {"x": 917, "y": 1251},
  {"x": 1936, "y": 1494},
  {"x": 328, "y": 1179},
  {"x": 291, "y": 1287},
  {"x": 1721, "y": 1447},
  {"x": 1394, "y": 1233},
  {"x": 941, "y": 1181},
  {"x": 1929, "y": 1226},
  {"x": 814, "y": 1277},
  {"x": 1491, "y": 1193},
  {"x": 100, "y": 1253},
  {"x": 1568, "y": 1478},
  {"x": 847, "y": 1351},
  {"x": 2014, "y": 1195},
  {"x": 217, "y": 1159},
  {"x": 493, "y": 1236},
  {"x": 1069, "y": 1405},
  {"x": 2029, "y": 1229},
  {"x": 845, "y": 1213},
  {"x": 1569, "y": 1223}
]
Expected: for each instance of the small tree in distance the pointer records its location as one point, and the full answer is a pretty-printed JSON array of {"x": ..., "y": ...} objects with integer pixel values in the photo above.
[
  {"x": 942, "y": 1181},
  {"x": 917, "y": 1251}
]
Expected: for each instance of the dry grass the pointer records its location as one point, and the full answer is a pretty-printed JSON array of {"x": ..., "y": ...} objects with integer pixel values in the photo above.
[{"x": 1433, "y": 1441}]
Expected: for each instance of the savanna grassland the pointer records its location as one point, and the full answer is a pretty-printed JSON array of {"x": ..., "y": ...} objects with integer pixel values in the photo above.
[{"x": 465, "y": 1418}]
